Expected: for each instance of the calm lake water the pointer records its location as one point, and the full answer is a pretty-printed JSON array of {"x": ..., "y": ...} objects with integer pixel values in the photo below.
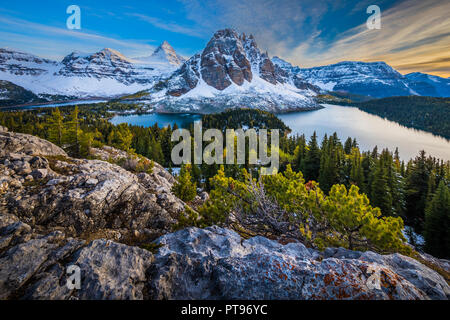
[
  {"x": 369, "y": 130},
  {"x": 54, "y": 105},
  {"x": 147, "y": 120}
]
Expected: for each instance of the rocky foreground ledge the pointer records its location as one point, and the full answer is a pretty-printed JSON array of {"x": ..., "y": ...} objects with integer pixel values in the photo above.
[{"x": 56, "y": 211}]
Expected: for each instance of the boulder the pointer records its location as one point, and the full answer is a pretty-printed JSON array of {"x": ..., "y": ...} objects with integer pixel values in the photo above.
[
  {"x": 112, "y": 271},
  {"x": 18, "y": 143},
  {"x": 216, "y": 263}
]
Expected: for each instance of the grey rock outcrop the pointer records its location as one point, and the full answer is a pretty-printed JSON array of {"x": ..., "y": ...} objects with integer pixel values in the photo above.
[
  {"x": 215, "y": 263},
  {"x": 82, "y": 196},
  {"x": 12, "y": 143}
]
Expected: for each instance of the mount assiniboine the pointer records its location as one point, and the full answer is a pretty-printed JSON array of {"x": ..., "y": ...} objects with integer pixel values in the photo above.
[{"x": 230, "y": 72}]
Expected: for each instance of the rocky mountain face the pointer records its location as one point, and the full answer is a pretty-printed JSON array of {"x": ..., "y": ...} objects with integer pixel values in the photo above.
[
  {"x": 106, "y": 73},
  {"x": 231, "y": 72},
  {"x": 107, "y": 63},
  {"x": 56, "y": 212},
  {"x": 23, "y": 64},
  {"x": 374, "y": 79}
]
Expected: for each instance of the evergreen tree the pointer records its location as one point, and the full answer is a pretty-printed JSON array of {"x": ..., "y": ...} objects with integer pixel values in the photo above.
[
  {"x": 357, "y": 172},
  {"x": 73, "y": 132},
  {"x": 312, "y": 160},
  {"x": 56, "y": 127},
  {"x": 300, "y": 154},
  {"x": 416, "y": 192},
  {"x": 380, "y": 193},
  {"x": 86, "y": 141},
  {"x": 348, "y": 145},
  {"x": 184, "y": 188},
  {"x": 121, "y": 137},
  {"x": 437, "y": 223}
]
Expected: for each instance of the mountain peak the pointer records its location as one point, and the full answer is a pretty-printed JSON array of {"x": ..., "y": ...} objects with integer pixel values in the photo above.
[
  {"x": 112, "y": 54},
  {"x": 227, "y": 32},
  {"x": 164, "y": 46},
  {"x": 164, "y": 54}
]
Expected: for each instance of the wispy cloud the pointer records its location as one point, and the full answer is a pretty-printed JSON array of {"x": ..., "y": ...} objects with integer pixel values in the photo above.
[
  {"x": 414, "y": 37},
  {"x": 170, "y": 26},
  {"x": 64, "y": 40}
]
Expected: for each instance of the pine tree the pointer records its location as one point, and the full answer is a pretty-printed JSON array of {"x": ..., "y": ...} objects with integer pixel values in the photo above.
[
  {"x": 300, "y": 154},
  {"x": 312, "y": 161},
  {"x": 73, "y": 132},
  {"x": 416, "y": 192},
  {"x": 437, "y": 223},
  {"x": 380, "y": 193},
  {"x": 184, "y": 188},
  {"x": 86, "y": 141},
  {"x": 348, "y": 145},
  {"x": 121, "y": 137},
  {"x": 56, "y": 127},
  {"x": 357, "y": 172}
]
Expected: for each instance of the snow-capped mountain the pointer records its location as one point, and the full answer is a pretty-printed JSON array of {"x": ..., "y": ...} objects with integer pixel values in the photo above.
[
  {"x": 230, "y": 72},
  {"x": 106, "y": 73},
  {"x": 374, "y": 79},
  {"x": 428, "y": 85},
  {"x": 164, "y": 55}
]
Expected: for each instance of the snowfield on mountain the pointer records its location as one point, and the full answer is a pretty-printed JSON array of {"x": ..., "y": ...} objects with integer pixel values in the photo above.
[{"x": 106, "y": 73}]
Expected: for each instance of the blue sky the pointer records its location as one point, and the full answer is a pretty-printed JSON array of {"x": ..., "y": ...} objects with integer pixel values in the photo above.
[{"x": 413, "y": 37}]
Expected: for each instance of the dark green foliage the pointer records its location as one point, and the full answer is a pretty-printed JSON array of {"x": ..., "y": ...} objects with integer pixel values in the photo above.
[
  {"x": 312, "y": 159},
  {"x": 238, "y": 118},
  {"x": 437, "y": 223},
  {"x": 185, "y": 188}
]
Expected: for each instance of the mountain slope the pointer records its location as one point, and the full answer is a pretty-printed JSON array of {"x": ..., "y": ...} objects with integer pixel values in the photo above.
[
  {"x": 106, "y": 73},
  {"x": 374, "y": 79},
  {"x": 428, "y": 85},
  {"x": 11, "y": 94},
  {"x": 231, "y": 72}
]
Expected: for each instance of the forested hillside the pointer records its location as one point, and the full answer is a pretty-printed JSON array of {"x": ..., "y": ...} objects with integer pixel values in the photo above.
[
  {"x": 424, "y": 113},
  {"x": 415, "y": 191}
]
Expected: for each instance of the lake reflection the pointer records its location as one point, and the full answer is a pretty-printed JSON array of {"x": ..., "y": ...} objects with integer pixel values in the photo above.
[{"x": 369, "y": 130}]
